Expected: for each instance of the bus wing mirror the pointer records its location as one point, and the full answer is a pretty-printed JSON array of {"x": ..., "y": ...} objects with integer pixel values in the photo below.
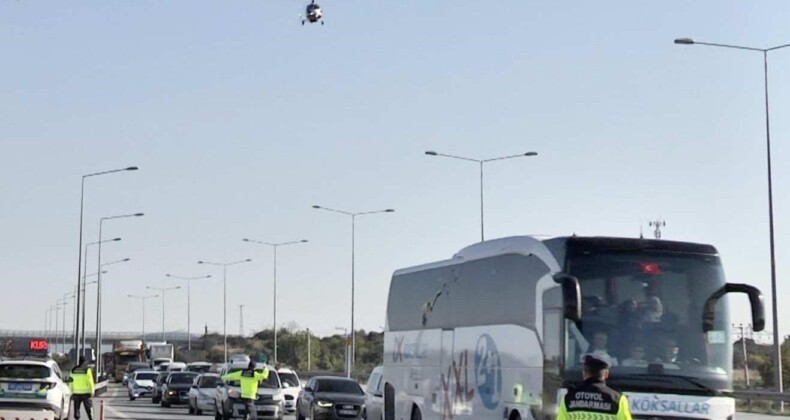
[
  {"x": 571, "y": 296},
  {"x": 756, "y": 300}
]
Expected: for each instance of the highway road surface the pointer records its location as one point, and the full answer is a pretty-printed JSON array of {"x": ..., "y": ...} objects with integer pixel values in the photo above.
[{"x": 118, "y": 407}]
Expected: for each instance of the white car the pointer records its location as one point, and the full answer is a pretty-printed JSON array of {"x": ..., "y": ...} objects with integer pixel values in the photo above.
[
  {"x": 269, "y": 404},
  {"x": 141, "y": 383},
  {"x": 202, "y": 393},
  {"x": 374, "y": 395},
  {"x": 291, "y": 389},
  {"x": 177, "y": 367},
  {"x": 33, "y": 385}
]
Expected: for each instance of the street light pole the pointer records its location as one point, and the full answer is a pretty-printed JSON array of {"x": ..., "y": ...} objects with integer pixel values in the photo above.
[
  {"x": 66, "y": 297},
  {"x": 79, "y": 247},
  {"x": 480, "y": 162},
  {"x": 274, "y": 298},
  {"x": 84, "y": 295},
  {"x": 777, "y": 353},
  {"x": 99, "y": 361},
  {"x": 163, "y": 291},
  {"x": 353, "y": 216},
  {"x": 189, "y": 303},
  {"x": 225, "y": 297},
  {"x": 143, "y": 299},
  {"x": 348, "y": 350}
]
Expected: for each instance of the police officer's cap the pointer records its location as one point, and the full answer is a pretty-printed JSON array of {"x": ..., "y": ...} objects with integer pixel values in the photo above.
[{"x": 597, "y": 361}]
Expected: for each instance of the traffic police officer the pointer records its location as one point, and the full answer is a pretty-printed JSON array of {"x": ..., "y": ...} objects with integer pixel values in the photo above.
[
  {"x": 249, "y": 379},
  {"x": 82, "y": 388},
  {"x": 593, "y": 400}
]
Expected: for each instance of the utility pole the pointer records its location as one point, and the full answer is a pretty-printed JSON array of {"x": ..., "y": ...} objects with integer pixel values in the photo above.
[
  {"x": 241, "y": 320},
  {"x": 742, "y": 327},
  {"x": 309, "y": 353},
  {"x": 657, "y": 224}
]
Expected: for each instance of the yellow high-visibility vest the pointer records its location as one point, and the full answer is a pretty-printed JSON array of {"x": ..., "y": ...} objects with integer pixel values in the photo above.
[
  {"x": 82, "y": 381},
  {"x": 249, "y": 381}
]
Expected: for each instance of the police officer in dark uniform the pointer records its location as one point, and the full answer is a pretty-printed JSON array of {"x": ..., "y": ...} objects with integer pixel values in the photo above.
[{"x": 593, "y": 400}]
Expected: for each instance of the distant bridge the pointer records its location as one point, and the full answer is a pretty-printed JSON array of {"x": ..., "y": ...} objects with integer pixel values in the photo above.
[{"x": 107, "y": 336}]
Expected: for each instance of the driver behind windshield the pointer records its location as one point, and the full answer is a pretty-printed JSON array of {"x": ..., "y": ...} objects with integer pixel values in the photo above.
[{"x": 636, "y": 357}]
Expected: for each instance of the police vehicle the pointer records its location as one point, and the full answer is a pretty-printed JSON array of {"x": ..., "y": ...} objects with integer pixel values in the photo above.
[
  {"x": 32, "y": 386},
  {"x": 499, "y": 330}
]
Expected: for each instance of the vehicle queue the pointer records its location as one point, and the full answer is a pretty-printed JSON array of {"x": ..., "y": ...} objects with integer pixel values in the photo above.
[{"x": 32, "y": 386}]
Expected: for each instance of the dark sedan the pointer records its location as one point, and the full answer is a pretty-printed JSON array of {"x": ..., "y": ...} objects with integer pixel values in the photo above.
[
  {"x": 175, "y": 389},
  {"x": 326, "y": 397}
]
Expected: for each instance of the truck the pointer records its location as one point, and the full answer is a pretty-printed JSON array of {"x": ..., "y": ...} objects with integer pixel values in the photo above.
[
  {"x": 125, "y": 352},
  {"x": 500, "y": 329},
  {"x": 160, "y": 352}
]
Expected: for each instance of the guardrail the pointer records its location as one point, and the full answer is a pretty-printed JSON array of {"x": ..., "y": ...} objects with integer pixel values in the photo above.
[
  {"x": 101, "y": 387},
  {"x": 761, "y": 395},
  {"x": 761, "y": 401}
]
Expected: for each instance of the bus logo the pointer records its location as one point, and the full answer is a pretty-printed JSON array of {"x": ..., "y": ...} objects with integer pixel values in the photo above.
[{"x": 488, "y": 372}]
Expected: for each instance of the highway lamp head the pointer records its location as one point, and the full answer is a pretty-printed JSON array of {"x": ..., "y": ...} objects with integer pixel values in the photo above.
[
  {"x": 316, "y": 206},
  {"x": 531, "y": 154},
  {"x": 132, "y": 168},
  {"x": 684, "y": 41},
  {"x": 304, "y": 240},
  {"x": 431, "y": 153},
  {"x": 138, "y": 214},
  {"x": 116, "y": 239},
  {"x": 389, "y": 211}
]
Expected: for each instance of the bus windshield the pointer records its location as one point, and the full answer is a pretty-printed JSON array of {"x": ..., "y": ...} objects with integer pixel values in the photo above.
[{"x": 643, "y": 309}]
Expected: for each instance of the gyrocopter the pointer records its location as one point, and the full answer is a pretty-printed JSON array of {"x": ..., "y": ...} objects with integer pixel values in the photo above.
[{"x": 313, "y": 13}]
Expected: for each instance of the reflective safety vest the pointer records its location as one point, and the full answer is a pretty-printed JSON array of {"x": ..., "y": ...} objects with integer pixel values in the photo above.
[
  {"x": 82, "y": 381},
  {"x": 249, "y": 381},
  {"x": 593, "y": 400}
]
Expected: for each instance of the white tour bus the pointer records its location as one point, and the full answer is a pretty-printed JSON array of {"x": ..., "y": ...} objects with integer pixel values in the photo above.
[{"x": 499, "y": 330}]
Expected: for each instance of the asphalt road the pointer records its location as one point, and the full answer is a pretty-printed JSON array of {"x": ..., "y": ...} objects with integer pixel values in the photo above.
[{"x": 118, "y": 407}]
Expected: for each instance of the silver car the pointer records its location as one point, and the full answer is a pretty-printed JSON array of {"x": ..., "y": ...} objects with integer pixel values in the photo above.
[
  {"x": 141, "y": 383},
  {"x": 269, "y": 404},
  {"x": 374, "y": 395},
  {"x": 202, "y": 393}
]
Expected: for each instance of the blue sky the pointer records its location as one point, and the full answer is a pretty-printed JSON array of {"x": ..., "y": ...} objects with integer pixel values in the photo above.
[{"x": 240, "y": 119}]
